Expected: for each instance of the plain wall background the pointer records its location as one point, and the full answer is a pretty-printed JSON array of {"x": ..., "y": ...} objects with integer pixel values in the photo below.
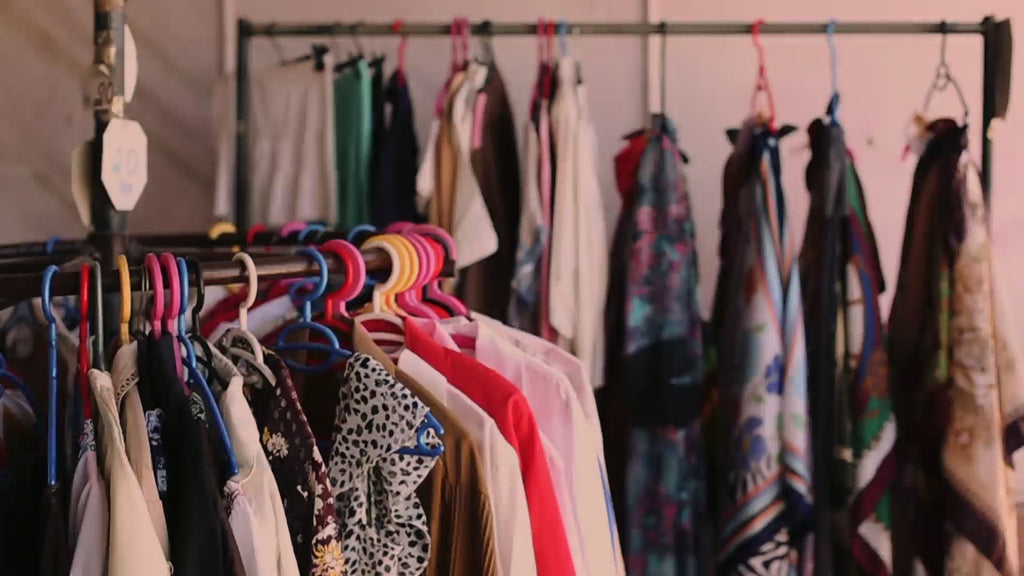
[{"x": 44, "y": 54}]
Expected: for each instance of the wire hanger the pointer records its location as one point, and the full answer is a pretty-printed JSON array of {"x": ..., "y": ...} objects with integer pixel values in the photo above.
[
  {"x": 51, "y": 416},
  {"x": 195, "y": 377},
  {"x": 403, "y": 44},
  {"x": 238, "y": 344},
  {"x": 762, "y": 85},
  {"x": 944, "y": 78},
  {"x": 333, "y": 348},
  {"x": 833, "y": 103}
]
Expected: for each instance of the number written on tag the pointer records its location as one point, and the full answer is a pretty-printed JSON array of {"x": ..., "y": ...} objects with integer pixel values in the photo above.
[{"x": 124, "y": 171}]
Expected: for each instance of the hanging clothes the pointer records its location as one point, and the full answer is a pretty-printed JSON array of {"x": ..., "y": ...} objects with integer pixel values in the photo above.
[
  {"x": 652, "y": 395},
  {"x": 454, "y": 493},
  {"x": 959, "y": 396},
  {"x": 486, "y": 286},
  {"x": 854, "y": 422},
  {"x": 761, "y": 463},
  {"x": 353, "y": 132},
  {"x": 298, "y": 469},
  {"x": 134, "y": 544},
  {"x": 291, "y": 145},
  {"x": 378, "y": 130},
  {"x": 579, "y": 241},
  {"x": 384, "y": 526},
  {"x": 394, "y": 195}
]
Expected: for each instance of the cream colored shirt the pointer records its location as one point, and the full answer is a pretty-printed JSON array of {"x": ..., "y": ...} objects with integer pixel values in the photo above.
[{"x": 134, "y": 545}]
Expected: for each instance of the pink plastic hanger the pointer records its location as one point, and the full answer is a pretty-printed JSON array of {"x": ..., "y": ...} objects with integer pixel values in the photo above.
[
  {"x": 169, "y": 264},
  {"x": 156, "y": 280},
  {"x": 433, "y": 290},
  {"x": 762, "y": 85},
  {"x": 408, "y": 300}
]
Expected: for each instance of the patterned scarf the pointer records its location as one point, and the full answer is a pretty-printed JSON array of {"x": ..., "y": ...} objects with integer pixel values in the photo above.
[
  {"x": 760, "y": 445},
  {"x": 959, "y": 388},
  {"x": 855, "y": 426}
]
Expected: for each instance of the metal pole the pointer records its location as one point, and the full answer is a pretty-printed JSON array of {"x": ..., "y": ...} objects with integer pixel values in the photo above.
[
  {"x": 108, "y": 225},
  {"x": 242, "y": 127},
  {"x": 988, "y": 105},
  {"x": 616, "y": 29}
]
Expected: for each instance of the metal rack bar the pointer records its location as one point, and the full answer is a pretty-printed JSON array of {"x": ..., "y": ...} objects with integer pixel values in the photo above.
[
  {"x": 612, "y": 28},
  {"x": 23, "y": 286},
  {"x": 248, "y": 30}
]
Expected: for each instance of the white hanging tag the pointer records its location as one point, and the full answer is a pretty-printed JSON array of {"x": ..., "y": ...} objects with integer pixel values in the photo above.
[
  {"x": 124, "y": 170},
  {"x": 131, "y": 64}
]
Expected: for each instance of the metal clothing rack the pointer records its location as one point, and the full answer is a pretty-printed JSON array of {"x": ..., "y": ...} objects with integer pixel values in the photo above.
[{"x": 996, "y": 37}]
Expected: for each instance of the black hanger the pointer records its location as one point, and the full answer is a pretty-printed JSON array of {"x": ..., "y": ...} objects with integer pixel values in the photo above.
[{"x": 206, "y": 358}]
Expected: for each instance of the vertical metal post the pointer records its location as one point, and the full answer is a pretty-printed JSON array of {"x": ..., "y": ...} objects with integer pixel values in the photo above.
[
  {"x": 108, "y": 225},
  {"x": 242, "y": 126},
  {"x": 988, "y": 106}
]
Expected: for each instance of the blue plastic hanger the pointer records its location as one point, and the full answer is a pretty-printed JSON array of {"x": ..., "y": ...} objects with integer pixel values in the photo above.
[
  {"x": 310, "y": 228},
  {"x": 51, "y": 417},
  {"x": 833, "y": 104},
  {"x": 421, "y": 448},
  {"x": 72, "y": 314},
  {"x": 333, "y": 348},
  {"x": 563, "y": 43},
  {"x": 195, "y": 377},
  {"x": 360, "y": 228}
]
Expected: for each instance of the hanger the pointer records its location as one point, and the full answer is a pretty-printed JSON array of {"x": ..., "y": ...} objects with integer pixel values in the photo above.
[
  {"x": 486, "y": 43},
  {"x": 195, "y": 377},
  {"x": 51, "y": 417},
  {"x": 380, "y": 302},
  {"x": 663, "y": 30},
  {"x": 435, "y": 260},
  {"x": 433, "y": 291},
  {"x": 314, "y": 227},
  {"x": 403, "y": 44},
  {"x": 157, "y": 278},
  {"x": 187, "y": 267},
  {"x": 72, "y": 313},
  {"x": 126, "y": 299},
  {"x": 409, "y": 299},
  {"x": 99, "y": 353},
  {"x": 410, "y": 263},
  {"x": 237, "y": 343},
  {"x": 833, "y": 104},
  {"x": 83, "y": 341},
  {"x": 944, "y": 78},
  {"x": 355, "y": 278},
  {"x": 170, "y": 265},
  {"x": 761, "y": 86},
  {"x": 359, "y": 55},
  {"x": 333, "y": 348},
  {"x": 359, "y": 228}
]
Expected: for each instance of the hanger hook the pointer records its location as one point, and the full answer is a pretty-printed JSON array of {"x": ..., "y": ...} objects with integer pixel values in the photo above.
[
  {"x": 762, "y": 84},
  {"x": 830, "y": 36},
  {"x": 360, "y": 228},
  {"x": 354, "y": 31},
  {"x": 250, "y": 296},
  {"x": 563, "y": 42},
  {"x": 99, "y": 346},
  {"x": 321, "y": 286},
  {"x": 47, "y": 282},
  {"x": 193, "y": 268},
  {"x": 663, "y": 30}
]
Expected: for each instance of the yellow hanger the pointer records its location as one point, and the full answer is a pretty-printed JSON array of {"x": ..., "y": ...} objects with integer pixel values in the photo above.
[
  {"x": 126, "y": 299},
  {"x": 223, "y": 228},
  {"x": 377, "y": 305},
  {"x": 410, "y": 266}
]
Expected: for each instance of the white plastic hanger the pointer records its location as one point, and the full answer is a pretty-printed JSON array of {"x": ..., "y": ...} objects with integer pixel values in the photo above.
[{"x": 238, "y": 343}]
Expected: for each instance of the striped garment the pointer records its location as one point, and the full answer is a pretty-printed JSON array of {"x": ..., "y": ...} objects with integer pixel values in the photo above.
[{"x": 761, "y": 461}]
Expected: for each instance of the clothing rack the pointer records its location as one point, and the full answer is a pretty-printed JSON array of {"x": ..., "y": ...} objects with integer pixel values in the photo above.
[{"x": 996, "y": 36}]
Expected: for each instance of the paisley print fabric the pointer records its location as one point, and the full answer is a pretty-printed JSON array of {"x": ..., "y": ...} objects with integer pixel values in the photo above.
[
  {"x": 960, "y": 396},
  {"x": 299, "y": 470},
  {"x": 385, "y": 529},
  {"x": 759, "y": 419},
  {"x": 857, "y": 427}
]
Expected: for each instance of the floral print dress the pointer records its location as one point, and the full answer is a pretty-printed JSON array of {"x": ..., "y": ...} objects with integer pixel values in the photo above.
[{"x": 299, "y": 470}]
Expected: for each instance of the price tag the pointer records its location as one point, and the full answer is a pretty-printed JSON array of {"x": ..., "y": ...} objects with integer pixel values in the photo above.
[
  {"x": 124, "y": 171},
  {"x": 131, "y": 64},
  {"x": 81, "y": 166}
]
